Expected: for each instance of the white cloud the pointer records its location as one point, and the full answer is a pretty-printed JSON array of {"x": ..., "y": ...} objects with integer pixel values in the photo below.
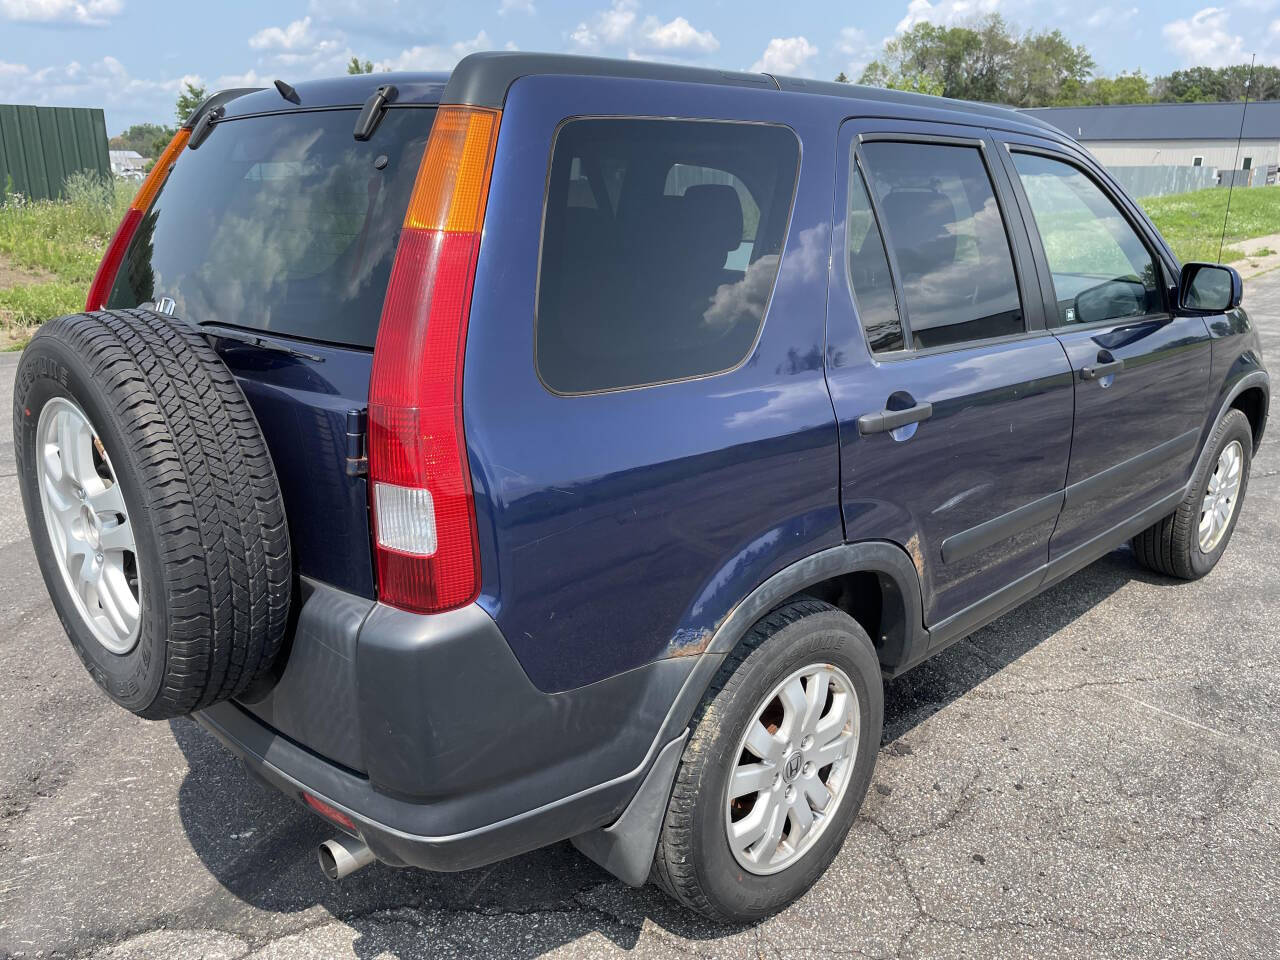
[
  {"x": 679, "y": 34},
  {"x": 93, "y": 13},
  {"x": 435, "y": 56},
  {"x": 607, "y": 28},
  {"x": 786, "y": 55},
  {"x": 101, "y": 83},
  {"x": 1110, "y": 17},
  {"x": 1203, "y": 39},
  {"x": 945, "y": 12},
  {"x": 516, "y": 6},
  {"x": 857, "y": 48},
  {"x": 295, "y": 36}
]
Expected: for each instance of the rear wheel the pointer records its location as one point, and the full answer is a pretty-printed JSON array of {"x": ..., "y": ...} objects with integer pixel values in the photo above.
[
  {"x": 1189, "y": 542},
  {"x": 781, "y": 754},
  {"x": 154, "y": 509}
]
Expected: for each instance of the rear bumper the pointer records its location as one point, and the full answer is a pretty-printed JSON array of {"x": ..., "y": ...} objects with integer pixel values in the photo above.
[
  {"x": 402, "y": 833},
  {"x": 426, "y": 731}
]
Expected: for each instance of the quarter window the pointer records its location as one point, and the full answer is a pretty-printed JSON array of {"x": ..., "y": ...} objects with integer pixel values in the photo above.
[
  {"x": 948, "y": 240},
  {"x": 1101, "y": 269},
  {"x": 661, "y": 244},
  {"x": 869, "y": 270}
]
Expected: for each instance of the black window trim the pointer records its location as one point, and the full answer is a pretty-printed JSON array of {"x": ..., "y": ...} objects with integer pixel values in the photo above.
[
  {"x": 1122, "y": 206},
  {"x": 542, "y": 236},
  {"x": 1030, "y": 331}
]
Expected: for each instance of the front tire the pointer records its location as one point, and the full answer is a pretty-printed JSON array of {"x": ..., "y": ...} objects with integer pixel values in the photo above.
[
  {"x": 781, "y": 754},
  {"x": 1190, "y": 541}
]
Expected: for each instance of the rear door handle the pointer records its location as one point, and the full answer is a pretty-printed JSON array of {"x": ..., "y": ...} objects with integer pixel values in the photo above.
[
  {"x": 1099, "y": 370},
  {"x": 887, "y": 420}
]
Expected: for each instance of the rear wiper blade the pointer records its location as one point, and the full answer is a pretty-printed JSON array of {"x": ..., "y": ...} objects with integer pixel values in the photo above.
[{"x": 229, "y": 331}]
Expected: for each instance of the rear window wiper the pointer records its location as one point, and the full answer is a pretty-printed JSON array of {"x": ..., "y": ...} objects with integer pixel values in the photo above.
[
  {"x": 372, "y": 111},
  {"x": 229, "y": 331}
]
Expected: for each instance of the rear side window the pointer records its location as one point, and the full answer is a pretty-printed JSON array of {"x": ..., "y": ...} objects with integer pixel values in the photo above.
[
  {"x": 660, "y": 247},
  {"x": 948, "y": 241},
  {"x": 285, "y": 224},
  {"x": 1101, "y": 269}
]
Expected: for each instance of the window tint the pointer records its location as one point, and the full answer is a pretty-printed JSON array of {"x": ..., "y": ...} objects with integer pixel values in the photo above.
[
  {"x": 280, "y": 223},
  {"x": 1100, "y": 267},
  {"x": 948, "y": 240},
  {"x": 660, "y": 248},
  {"x": 869, "y": 270}
]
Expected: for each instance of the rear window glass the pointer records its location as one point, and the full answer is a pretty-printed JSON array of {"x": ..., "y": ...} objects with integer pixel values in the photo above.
[
  {"x": 660, "y": 248},
  {"x": 284, "y": 224}
]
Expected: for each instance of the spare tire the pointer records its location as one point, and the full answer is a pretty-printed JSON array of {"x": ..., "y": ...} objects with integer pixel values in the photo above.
[{"x": 154, "y": 509}]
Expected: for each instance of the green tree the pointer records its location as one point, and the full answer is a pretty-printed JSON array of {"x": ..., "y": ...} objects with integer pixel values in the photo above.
[
  {"x": 966, "y": 61},
  {"x": 146, "y": 138},
  {"x": 190, "y": 97},
  {"x": 842, "y": 77},
  {"x": 356, "y": 66},
  {"x": 1046, "y": 67}
]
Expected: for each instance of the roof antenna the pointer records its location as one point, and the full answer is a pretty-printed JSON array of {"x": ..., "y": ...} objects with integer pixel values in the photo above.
[
  {"x": 1243, "y": 110},
  {"x": 288, "y": 92}
]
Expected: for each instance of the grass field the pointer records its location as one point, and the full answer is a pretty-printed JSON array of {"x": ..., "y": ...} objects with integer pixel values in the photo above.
[
  {"x": 1192, "y": 222},
  {"x": 50, "y": 250}
]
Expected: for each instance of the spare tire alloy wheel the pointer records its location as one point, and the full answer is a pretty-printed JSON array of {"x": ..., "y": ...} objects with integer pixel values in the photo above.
[
  {"x": 154, "y": 510},
  {"x": 88, "y": 525},
  {"x": 794, "y": 762}
]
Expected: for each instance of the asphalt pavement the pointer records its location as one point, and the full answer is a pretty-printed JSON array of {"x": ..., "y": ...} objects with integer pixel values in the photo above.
[{"x": 1096, "y": 774}]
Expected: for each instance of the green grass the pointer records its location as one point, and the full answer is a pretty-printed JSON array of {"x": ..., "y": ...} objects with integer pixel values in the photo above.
[
  {"x": 1192, "y": 222},
  {"x": 61, "y": 243}
]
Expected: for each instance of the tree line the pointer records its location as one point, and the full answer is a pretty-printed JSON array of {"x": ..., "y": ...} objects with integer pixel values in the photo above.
[
  {"x": 989, "y": 60},
  {"x": 984, "y": 60}
]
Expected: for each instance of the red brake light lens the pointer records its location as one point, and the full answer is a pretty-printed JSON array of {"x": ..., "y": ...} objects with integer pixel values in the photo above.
[
  {"x": 105, "y": 278},
  {"x": 420, "y": 481}
]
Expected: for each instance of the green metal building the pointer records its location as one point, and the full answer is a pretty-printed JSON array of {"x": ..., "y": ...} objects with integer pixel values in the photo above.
[{"x": 40, "y": 146}]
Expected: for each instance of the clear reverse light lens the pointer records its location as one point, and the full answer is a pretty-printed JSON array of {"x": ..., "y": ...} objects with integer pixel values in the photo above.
[{"x": 406, "y": 519}]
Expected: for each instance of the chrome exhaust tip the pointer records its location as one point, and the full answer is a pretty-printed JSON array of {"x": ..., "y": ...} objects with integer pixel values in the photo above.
[{"x": 343, "y": 856}]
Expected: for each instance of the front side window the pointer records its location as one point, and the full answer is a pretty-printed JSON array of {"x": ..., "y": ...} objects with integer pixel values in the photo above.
[
  {"x": 949, "y": 245},
  {"x": 660, "y": 247},
  {"x": 1101, "y": 269}
]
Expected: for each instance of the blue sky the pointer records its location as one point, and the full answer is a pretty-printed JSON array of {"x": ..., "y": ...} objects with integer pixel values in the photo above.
[{"x": 131, "y": 56}]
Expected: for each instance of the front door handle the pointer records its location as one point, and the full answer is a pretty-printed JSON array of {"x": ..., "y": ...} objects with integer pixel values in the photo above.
[
  {"x": 887, "y": 420},
  {"x": 1104, "y": 367}
]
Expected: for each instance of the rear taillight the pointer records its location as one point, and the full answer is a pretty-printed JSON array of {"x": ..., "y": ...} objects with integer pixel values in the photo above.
[
  {"x": 105, "y": 278},
  {"x": 420, "y": 482}
]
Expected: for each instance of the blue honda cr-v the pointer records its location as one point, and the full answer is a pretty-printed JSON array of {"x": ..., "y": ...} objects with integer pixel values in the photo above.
[{"x": 567, "y": 448}]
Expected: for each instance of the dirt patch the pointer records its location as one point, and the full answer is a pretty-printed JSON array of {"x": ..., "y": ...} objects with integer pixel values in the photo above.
[
  {"x": 1261, "y": 254},
  {"x": 12, "y": 275},
  {"x": 14, "y": 336}
]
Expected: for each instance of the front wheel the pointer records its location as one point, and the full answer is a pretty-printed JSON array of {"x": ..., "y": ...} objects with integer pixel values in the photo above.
[
  {"x": 1189, "y": 542},
  {"x": 781, "y": 755}
]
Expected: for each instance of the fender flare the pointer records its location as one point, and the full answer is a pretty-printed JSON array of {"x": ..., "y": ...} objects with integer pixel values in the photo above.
[
  {"x": 1255, "y": 378},
  {"x": 625, "y": 847}
]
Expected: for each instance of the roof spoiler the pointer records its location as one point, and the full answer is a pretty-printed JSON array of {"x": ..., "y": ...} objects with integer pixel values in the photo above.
[{"x": 216, "y": 100}]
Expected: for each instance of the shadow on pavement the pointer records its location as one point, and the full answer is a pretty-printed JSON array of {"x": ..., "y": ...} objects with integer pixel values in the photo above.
[{"x": 261, "y": 846}]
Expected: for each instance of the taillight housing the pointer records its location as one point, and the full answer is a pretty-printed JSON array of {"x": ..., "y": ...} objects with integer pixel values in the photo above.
[
  {"x": 423, "y": 509},
  {"x": 105, "y": 278}
]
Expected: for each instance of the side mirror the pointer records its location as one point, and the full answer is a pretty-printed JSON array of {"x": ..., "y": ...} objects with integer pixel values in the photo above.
[{"x": 1209, "y": 287}]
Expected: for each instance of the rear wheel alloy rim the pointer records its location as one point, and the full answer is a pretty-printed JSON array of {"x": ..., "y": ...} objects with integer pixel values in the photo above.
[
  {"x": 1221, "y": 496},
  {"x": 89, "y": 530},
  {"x": 792, "y": 768}
]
